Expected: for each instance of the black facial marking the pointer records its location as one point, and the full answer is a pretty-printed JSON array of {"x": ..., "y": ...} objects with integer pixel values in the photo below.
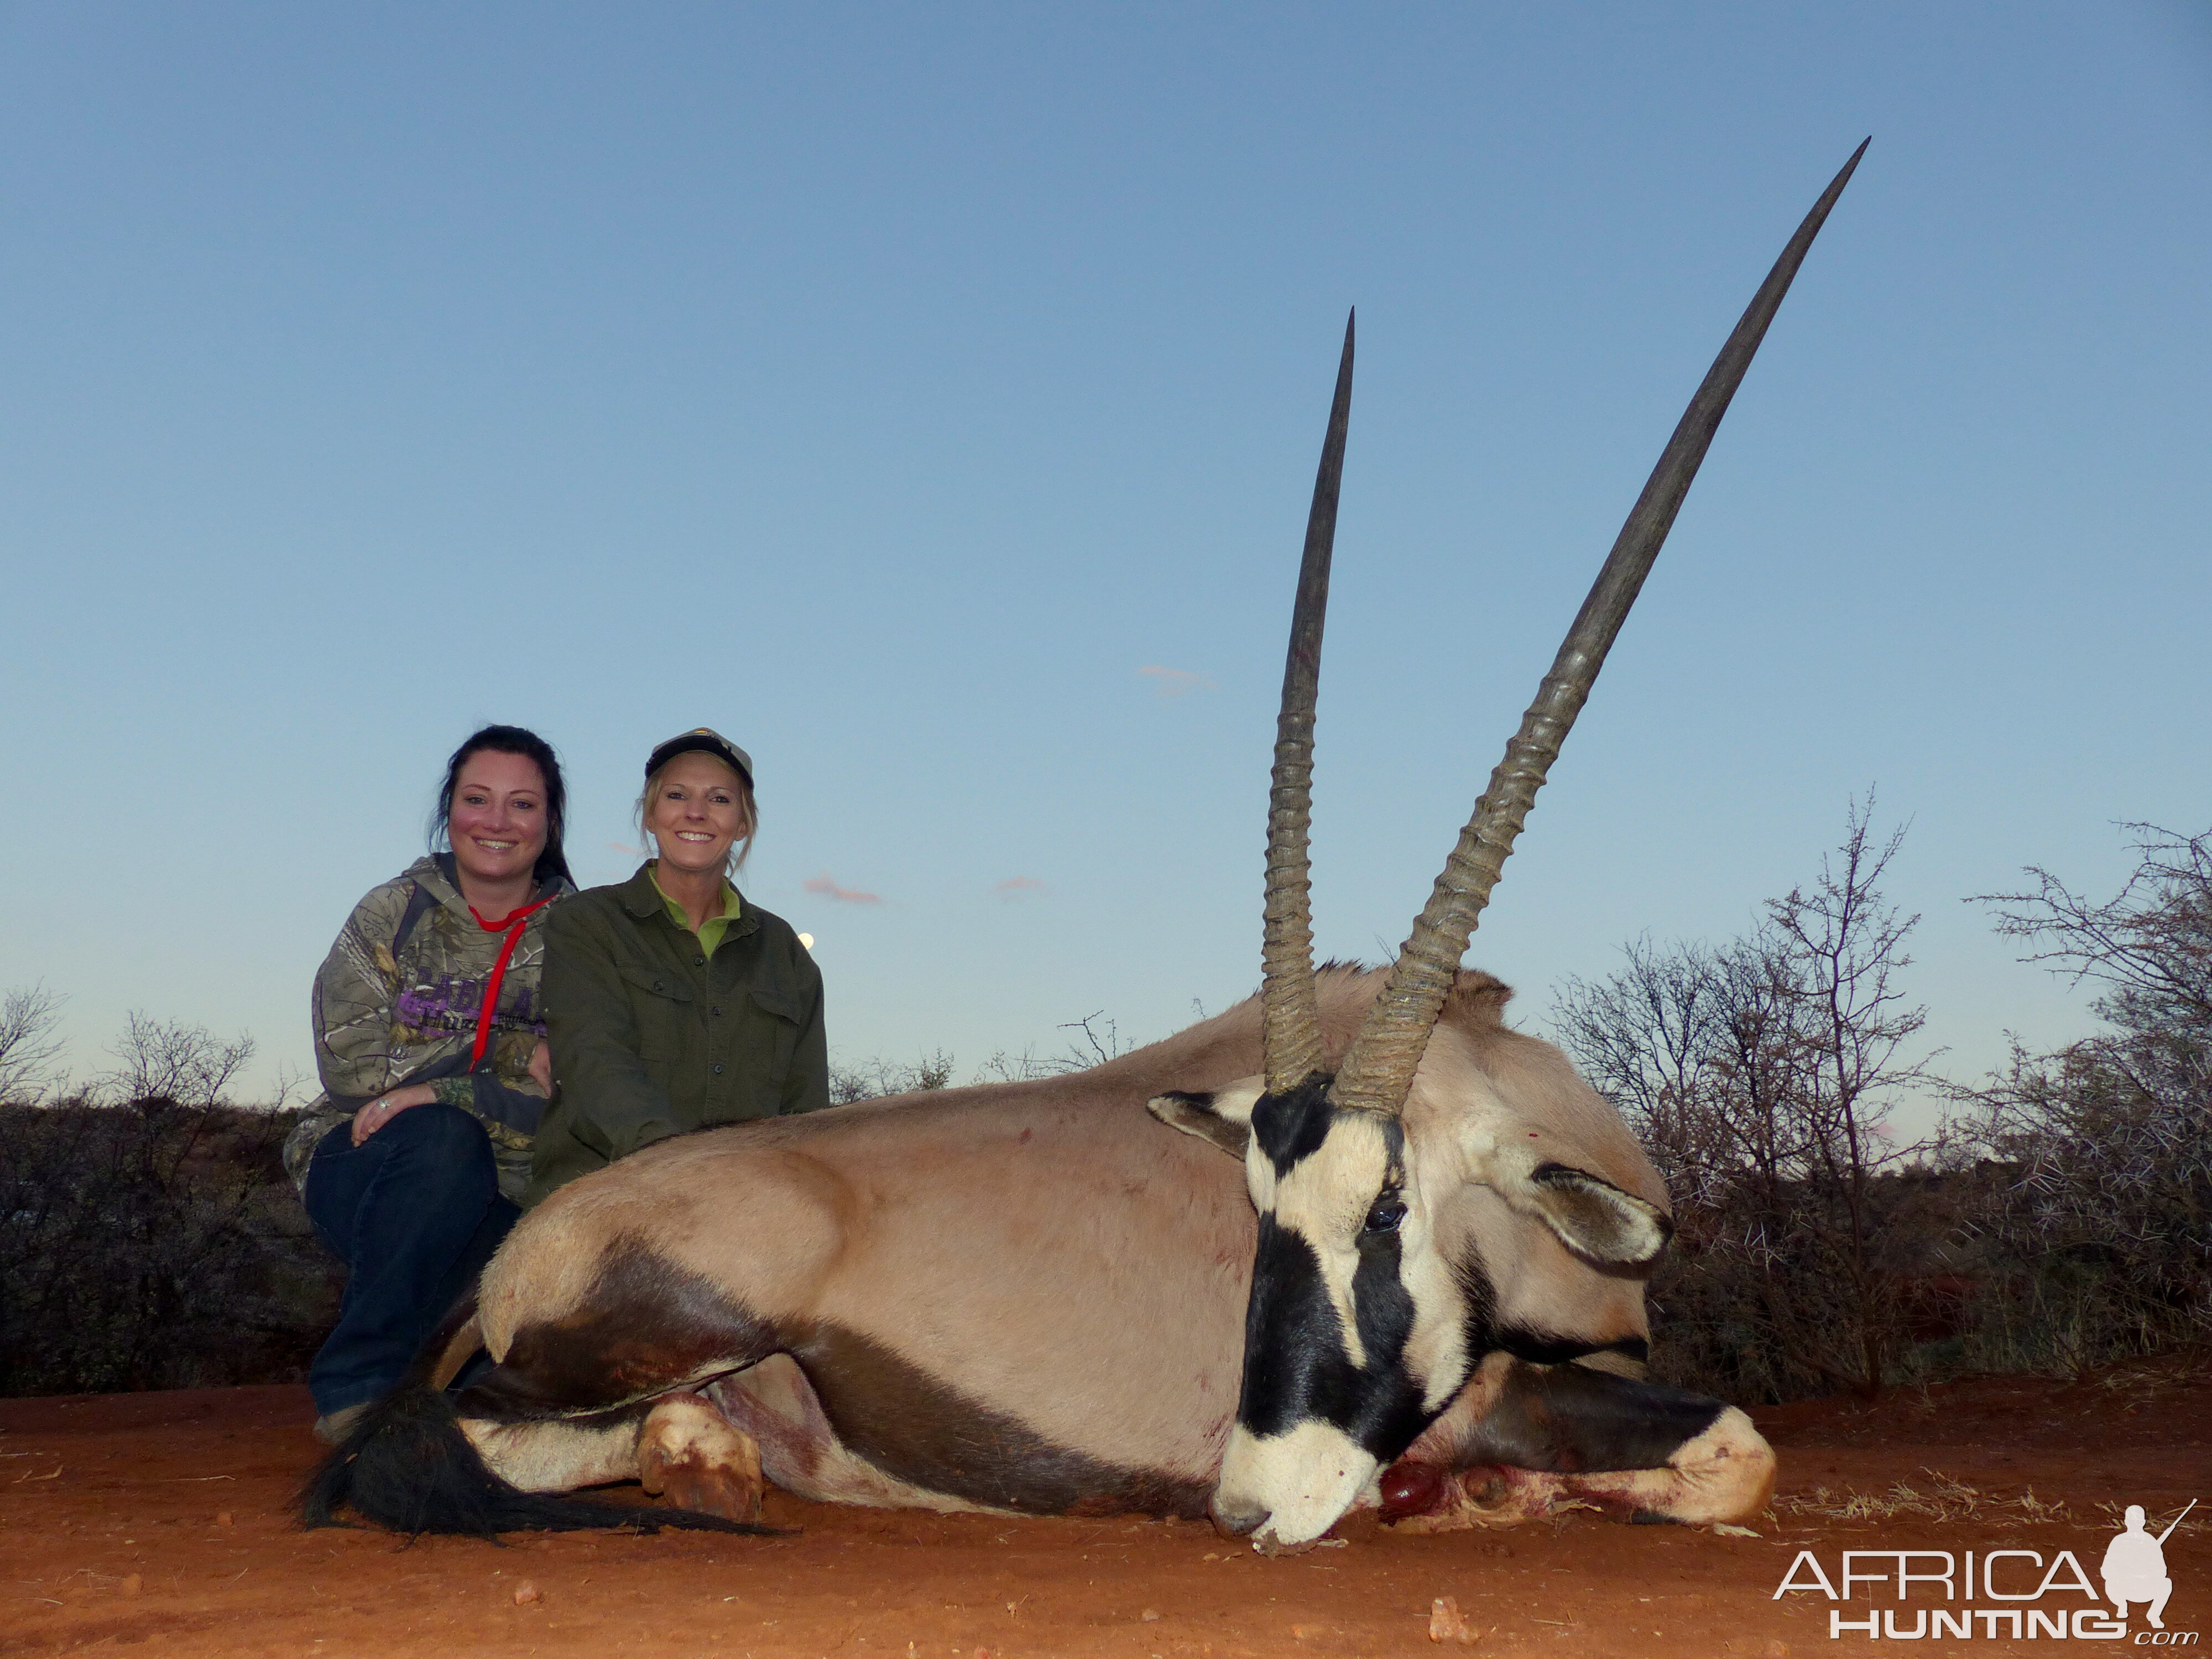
[
  {"x": 1485, "y": 1335},
  {"x": 1290, "y": 1128},
  {"x": 1388, "y": 1416},
  {"x": 1289, "y": 1323},
  {"x": 1552, "y": 1348},
  {"x": 1296, "y": 1363},
  {"x": 1478, "y": 1297},
  {"x": 920, "y": 1428},
  {"x": 1568, "y": 1419}
]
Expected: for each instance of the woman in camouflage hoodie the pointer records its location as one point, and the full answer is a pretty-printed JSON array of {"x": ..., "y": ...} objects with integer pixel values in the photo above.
[{"x": 430, "y": 1040}]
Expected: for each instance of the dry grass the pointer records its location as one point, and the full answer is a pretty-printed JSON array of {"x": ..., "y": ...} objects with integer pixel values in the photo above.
[
  {"x": 2137, "y": 1384},
  {"x": 1942, "y": 1499},
  {"x": 2116, "y": 1514}
]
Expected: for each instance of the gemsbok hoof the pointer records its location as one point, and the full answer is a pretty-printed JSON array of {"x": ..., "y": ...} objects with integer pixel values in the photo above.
[{"x": 695, "y": 1457}]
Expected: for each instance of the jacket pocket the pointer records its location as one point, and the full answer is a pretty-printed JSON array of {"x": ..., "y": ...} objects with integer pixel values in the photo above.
[
  {"x": 660, "y": 1007},
  {"x": 653, "y": 982},
  {"x": 780, "y": 1002}
]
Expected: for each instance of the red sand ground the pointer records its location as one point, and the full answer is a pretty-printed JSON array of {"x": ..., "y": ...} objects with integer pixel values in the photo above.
[{"x": 160, "y": 1521}]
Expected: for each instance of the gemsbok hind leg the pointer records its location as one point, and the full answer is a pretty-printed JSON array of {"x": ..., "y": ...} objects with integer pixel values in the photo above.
[
  {"x": 598, "y": 1366},
  {"x": 1538, "y": 1437}
]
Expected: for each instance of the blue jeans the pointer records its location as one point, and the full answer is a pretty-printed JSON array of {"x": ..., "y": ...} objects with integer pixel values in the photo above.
[{"x": 414, "y": 1212}]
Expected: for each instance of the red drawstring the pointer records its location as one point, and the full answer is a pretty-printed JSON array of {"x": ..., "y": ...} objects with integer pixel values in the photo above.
[{"x": 513, "y": 921}]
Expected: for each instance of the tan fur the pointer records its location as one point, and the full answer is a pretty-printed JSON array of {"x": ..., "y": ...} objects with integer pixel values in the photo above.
[
  {"x": 1484, "y": 1080},
  {"x": 800, "y": 1451},
  {"x": 1440, "y": 1443},
  {"x": 1023, "y": 1241}
]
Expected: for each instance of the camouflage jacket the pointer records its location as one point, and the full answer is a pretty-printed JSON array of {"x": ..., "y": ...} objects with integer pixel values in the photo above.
[{"x": 397, "y": 1000}]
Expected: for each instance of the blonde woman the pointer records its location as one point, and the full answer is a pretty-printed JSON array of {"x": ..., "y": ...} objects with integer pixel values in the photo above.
[{"x": 671, "y": 1003}]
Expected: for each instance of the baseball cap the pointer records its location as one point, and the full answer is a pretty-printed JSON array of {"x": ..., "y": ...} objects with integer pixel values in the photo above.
[{"x": 703, "y": 741}]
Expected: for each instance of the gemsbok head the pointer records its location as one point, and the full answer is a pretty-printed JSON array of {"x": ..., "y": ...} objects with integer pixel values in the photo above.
[{"x": 1410, "y": 1223}]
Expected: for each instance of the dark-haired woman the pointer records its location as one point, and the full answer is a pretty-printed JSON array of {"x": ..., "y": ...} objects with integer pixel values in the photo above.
[{"x": 429, "y": 1038}]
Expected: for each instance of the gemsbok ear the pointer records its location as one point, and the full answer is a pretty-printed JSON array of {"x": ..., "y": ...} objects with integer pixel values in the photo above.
[
  {"x": 1592, "y": 1216},
  {"x": 1595, "y": 1218},
  {"x": 1223, "y": 1117}
]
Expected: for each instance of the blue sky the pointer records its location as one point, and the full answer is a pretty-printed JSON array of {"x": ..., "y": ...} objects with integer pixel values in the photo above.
[{"x": 898, "y": 388}]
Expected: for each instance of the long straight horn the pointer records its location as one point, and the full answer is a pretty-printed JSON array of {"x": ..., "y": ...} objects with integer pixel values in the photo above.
[
  {"x": 1291, "y": 1012},
  {"x": 1379, "y": 1068}
]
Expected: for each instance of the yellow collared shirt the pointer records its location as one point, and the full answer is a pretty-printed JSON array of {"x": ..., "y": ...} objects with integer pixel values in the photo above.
[{"x": 710, "y": 931}]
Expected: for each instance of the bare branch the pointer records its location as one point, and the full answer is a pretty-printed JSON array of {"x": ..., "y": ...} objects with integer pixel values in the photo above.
[
  {"x": 2151, "y": 942},
  {"x": 1761, "y": 1075},
  {"x": 30, "y": 1016},
  {"x": 163, "y": 1060}
]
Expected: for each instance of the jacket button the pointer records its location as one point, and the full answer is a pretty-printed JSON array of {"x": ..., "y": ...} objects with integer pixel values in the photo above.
[
  {"x": 717, "y": 1013},
  {"x": 717, "y": 1068},
  {"x": 698, "y": 962}
]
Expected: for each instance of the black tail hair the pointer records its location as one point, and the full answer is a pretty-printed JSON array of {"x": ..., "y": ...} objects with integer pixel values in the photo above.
[{"x": 407, "y": 1467}]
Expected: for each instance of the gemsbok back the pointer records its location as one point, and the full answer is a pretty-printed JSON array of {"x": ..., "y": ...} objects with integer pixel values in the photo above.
[{"x": 1426, "y": 1290}]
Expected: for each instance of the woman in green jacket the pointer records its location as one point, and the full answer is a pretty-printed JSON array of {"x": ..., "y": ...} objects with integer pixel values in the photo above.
[{"x": 670, "y": 1003}]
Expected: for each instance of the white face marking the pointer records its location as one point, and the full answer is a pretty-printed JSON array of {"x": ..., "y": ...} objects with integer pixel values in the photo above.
[
  {"x": 1436, "y": 1351},
  {"x": 1301, "y": 1481},
  {"x": 1473, "y": 1143},
  {"x": 1324, "y": 1199},
  {"x": 1294, "y": 1483}
]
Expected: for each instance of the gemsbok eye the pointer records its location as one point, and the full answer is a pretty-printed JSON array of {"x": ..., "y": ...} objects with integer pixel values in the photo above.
[{"x": 1388, "y": 1211}]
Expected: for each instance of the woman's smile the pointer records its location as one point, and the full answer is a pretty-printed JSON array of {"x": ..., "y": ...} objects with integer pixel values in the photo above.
[
  {"x": 696, "y": 814},
  {"x": 498, "y": 825}
]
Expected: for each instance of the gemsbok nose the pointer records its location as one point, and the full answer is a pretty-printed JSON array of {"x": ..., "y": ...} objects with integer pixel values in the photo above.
[{"x": 1232, "y": 1519}]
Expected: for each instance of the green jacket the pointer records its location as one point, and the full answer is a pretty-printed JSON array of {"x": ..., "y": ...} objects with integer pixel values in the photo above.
[
  {"x": 651, "y": 1039},
  {"x": 397, "y": 1001}
]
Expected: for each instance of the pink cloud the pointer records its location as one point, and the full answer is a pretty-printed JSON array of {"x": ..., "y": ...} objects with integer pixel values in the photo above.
[
  {"x": 1174, "y": 681},
  {"x": 1015, "y": 886},
  {"x": 826, "y": 888}
]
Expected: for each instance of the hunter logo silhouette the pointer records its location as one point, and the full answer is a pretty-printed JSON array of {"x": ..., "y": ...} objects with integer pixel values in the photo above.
[{"x": 2134, "y": 1566}]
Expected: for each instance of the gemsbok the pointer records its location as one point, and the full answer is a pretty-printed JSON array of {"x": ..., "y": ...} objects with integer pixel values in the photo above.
[{"x": 1427, "y": 1289}]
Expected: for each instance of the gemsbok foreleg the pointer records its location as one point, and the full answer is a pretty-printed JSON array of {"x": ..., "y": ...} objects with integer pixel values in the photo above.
[{"x": 1540, "y": 1437}]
